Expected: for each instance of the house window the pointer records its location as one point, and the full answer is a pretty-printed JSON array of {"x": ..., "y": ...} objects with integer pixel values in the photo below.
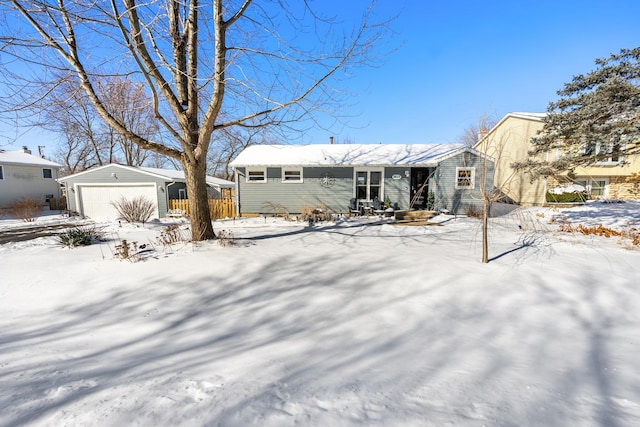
[
  {"x": 465, "y": 178},
  {"x": 1, "y": 173},
  {"x": 182, "y": 193},
  {"x": 291, "y": 175},
  {"x": 368, "y": 184},
  {"x": 597, "y": 188},
  {"x": 256, "y": 175},
  {"x": 47, "y": 173},
  {"x": 604, "y": 153}
]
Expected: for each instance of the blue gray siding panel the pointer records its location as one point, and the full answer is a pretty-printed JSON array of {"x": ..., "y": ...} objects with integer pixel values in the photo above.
[
  {"x": 255, "y": 196},
  {"x": 462, "y": 201}
]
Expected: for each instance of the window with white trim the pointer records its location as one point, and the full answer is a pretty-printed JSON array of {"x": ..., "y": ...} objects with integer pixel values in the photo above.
[
  {"x": 368, "y": 184},
  {"x": 1, "y": 173},
  {"x": 292, "y": 175},
  {"x": 47, "y": 173},
  {"x": 604, "y": 153},
  {"x": 465, "y": 178},
  {"x": 256, "y": 175}
]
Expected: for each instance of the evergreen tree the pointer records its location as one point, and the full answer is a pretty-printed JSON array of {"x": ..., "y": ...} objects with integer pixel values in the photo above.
[{"x": 595, "y": 119}]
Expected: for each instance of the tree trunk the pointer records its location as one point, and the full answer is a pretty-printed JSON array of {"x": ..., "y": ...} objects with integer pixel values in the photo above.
[
  {"x": 195, "y": 176},
  {"x": 485, "y": 226}
]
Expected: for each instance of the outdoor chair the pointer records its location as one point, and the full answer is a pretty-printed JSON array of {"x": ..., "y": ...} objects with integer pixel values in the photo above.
[
  {"x": 354, "y": 208},
  {"x": 378, "y": 206}
]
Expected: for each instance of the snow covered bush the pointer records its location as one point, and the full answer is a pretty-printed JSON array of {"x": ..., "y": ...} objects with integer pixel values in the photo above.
[
  {"x": 138, "y": 209},
  {"x": 25, "y": 209}
]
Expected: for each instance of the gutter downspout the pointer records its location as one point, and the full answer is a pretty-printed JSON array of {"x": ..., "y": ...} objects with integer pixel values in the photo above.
[
  {"x": 237, "y": 179},
  {"x": 166, "y": 195}
]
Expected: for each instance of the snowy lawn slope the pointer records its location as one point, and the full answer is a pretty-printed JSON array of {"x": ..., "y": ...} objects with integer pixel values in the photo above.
[{"x": 343, "y": 324}]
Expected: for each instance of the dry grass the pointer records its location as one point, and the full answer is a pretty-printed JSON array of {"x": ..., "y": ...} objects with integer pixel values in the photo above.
[{"x": 25, "y": 209}]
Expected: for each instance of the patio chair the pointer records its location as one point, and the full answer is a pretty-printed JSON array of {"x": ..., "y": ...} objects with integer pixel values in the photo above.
[
  {"x": 378, "y": 206},
  {"x": 354, "y": 208}
]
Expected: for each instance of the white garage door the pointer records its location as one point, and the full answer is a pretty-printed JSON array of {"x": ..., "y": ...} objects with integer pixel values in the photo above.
[{"x": 95, "y": 201}]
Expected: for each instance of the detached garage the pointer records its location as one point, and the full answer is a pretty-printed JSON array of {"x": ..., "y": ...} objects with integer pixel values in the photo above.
[{"x": 91, "y": 192}]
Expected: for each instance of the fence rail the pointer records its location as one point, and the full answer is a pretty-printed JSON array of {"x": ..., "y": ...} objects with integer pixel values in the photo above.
[{"x": 218, "y": 208}]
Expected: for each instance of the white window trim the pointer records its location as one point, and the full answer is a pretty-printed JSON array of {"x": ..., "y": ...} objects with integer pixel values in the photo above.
[
  {"x": 472, "y": 179},
  {"x": 368, "y": 170},
  {"x": 256, "y": 181},
  {"x": 589, "y": 185},
  {"x": 47, "y": 169},
  {"x": 292, "y": 181}
]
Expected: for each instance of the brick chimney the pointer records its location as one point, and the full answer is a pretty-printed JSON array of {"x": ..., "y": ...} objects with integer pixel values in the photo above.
[{"x": 330, "y": 140}]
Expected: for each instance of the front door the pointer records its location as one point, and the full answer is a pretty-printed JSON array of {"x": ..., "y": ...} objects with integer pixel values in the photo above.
[{"x": 419, "y": 188}]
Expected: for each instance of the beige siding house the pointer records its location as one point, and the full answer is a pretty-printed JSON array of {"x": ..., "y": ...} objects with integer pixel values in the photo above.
[
  {"x": 510, "y": 141},
  {"x": 23, "y": 175}
]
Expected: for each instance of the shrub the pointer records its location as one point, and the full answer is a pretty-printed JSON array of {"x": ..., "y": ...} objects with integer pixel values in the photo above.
[
  {"x": 566, "y": 197},
  {"x": 138, "y": 209},
  {"x": 25, "y": 209},
  {"x": 78, "y": 236},
  {"x": 127, "y": 250},
  {"x": 226, "y": 238},
  {"x": 172, "y": 234}
]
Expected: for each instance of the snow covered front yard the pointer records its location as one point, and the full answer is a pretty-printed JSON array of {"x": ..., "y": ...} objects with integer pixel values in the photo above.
[{"x": 353, "y": 323}]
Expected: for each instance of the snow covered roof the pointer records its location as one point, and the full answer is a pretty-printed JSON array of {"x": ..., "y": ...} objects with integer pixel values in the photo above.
[
  {"x": 168, "y": 174},
  {"x": 21, "y": 158},
  {"x": 345, "y": 154},
  {"x": 531, "y": 116},
  {"x": 179, "y": 175}
]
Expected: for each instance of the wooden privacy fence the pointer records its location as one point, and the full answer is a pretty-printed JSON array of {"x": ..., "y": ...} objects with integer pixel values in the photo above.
[{"x": 219, "y": 208}]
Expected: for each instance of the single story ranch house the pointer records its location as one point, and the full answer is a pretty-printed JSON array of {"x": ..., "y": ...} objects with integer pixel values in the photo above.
[{"x": 407, "y": 176}]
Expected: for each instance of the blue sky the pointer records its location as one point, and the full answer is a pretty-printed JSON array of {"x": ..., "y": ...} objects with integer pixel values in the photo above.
[
  {"x": 459, "y": 60},
  {"x": 462, "y": 59}
]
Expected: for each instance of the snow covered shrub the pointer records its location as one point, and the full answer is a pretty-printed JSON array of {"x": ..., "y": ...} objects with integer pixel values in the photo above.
[
  {"x": 138, "y": 209},
  {"x": 25, "y": 209},
  {"x": 575, "y": 197},
  {"x": 78, "y": 236}
]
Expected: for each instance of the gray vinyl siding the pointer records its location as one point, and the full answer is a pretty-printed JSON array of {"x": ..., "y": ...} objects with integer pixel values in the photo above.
[
  {"x": 123, "y": 176},
  {"x": 461, "y": 201},
  {"x": 25, "y": 181},
  {"x": 397, "y": 190},
  {"x": 255, "y": 196}
]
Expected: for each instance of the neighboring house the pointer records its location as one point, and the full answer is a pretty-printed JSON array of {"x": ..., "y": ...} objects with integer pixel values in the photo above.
[
  {"x": 295, "y": 177},
  {"x": 23, "y": 175},
  {"x": 91, "y": 192},
  {"x": 509, "y": 141}
]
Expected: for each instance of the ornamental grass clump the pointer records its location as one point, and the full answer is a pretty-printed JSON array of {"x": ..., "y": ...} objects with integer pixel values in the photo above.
[{"x": 79, "y": 236}]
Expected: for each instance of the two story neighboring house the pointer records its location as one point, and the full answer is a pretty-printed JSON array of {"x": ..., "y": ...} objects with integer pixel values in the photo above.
[
  {"x": 509, "y": 142},
  {"x": 23, "y": 175}
]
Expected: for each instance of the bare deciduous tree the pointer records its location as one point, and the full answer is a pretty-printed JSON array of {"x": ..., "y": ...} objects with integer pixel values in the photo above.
[
  {"x": 474, "y": 132},
  {"x": 207, "y": 66}
]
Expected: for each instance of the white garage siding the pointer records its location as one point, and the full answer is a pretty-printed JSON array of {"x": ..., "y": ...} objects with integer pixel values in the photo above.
[{"x": 94, "y": 201}]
